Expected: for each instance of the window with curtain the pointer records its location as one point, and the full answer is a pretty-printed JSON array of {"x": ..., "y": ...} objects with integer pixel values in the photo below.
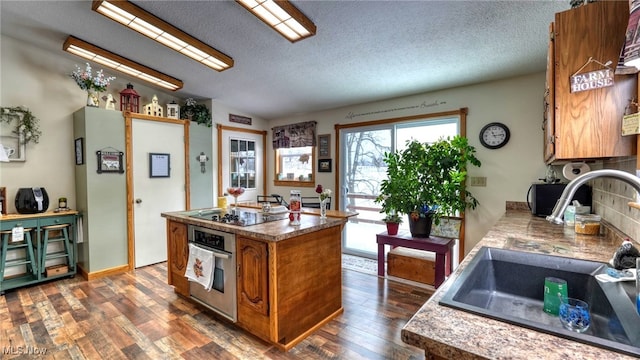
[{"x": 295, "y": 154}]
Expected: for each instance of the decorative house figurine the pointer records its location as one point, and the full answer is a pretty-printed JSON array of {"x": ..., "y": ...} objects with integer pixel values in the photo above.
[
  {"x": 153, "y": 109},
  {"x": 129, "y": 100},
  {"x": 173, "y": 110}
]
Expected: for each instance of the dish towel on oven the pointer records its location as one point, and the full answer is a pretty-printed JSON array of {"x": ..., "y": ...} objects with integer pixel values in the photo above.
[{"x": 200, "y": 266}]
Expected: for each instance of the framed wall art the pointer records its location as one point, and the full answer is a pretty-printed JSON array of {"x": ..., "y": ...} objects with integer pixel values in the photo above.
[
  {"x": 240, "y": 119},
  {"x": 79, "y": 146},
  {"x": 324, "y": 146},
  {"x": 324, "y": 165},
  {"x": 110, "y": 161},
  {"x": 14, "y": 148},
  {"x": 159, "y": 165}
]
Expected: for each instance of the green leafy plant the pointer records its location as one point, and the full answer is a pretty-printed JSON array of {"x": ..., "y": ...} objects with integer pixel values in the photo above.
[
  {"x": 27, "y": 127},
  {"x": 393, "y": 218},
  {"x": 427, "y": 179},
  {"x": 196, "y": 112}
]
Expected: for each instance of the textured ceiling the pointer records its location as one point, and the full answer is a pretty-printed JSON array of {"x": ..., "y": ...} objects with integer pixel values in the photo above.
[{"x": 363, "y": 50}]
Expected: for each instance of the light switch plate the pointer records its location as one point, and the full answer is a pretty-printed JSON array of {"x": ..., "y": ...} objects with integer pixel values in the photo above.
[{"x": 477, "y": 181}]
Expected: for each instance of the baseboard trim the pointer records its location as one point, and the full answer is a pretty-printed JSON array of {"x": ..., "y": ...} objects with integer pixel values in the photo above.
[{"x": 102, "y": 273}]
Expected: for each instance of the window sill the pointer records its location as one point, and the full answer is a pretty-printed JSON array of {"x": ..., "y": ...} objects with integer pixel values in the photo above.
[{"x": 295, "y": 183}]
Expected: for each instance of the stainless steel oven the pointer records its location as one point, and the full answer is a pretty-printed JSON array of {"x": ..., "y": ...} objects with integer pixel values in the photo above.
[{"x": 222, "y": 296}]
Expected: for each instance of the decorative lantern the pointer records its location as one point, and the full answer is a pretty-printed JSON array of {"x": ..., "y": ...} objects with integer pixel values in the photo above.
[
  {"x": 173, "y": 110},
  {"x": 129, "y": 100}
]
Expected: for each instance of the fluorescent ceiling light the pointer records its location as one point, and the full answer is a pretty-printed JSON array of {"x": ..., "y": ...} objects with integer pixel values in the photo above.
[
  {"x": 161, "y": 31},
  {"x": 282, "y": 16},
  {"x": 119, "y": 63}
]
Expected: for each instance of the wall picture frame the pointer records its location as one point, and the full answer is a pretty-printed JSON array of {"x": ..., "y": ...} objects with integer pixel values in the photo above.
[
  {"x": 110, "y": 162},
  {"x": 324, "y": 165},
  {"x": 14, "y": 148},
  {"x": 324, "y": 146},
  {"x": 159, "y": 165},
  {"x": 79, "y": 150}
]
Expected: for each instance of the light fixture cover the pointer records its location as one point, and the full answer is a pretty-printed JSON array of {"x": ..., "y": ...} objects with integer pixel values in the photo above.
[
  {"x": 281, "y": 16},
  {"x": 136, "y": 18},
  {"x": 116, "y": 62}
]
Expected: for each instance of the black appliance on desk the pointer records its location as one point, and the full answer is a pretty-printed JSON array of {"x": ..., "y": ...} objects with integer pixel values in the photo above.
[
  {"x": 545, "y": 195},
  {"x": 32, "y": 200}
]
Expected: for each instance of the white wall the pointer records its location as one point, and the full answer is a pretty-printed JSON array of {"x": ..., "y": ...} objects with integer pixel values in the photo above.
[
  {"x": 39, "y": 80},
  {"x": 509, "y": 170}
]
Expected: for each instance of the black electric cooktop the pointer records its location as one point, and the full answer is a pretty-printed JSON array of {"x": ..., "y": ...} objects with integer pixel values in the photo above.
[{"x": 239, "y": 217}]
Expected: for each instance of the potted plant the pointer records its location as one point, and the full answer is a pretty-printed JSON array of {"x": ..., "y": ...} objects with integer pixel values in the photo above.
[
  {"x": 196, "y": 112},
  {"x": 426, "y": 181},
  {"x": 393, "y": 222}
]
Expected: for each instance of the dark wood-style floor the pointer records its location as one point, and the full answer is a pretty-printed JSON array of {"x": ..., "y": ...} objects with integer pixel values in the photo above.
[{"x": 138, "y": 316}]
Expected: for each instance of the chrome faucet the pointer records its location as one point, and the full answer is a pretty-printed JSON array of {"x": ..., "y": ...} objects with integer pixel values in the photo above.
[{"x": 573, "y": 185}]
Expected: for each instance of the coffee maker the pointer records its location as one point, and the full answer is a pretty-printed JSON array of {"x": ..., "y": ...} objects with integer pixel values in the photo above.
[{"x": 32, "y": 200}]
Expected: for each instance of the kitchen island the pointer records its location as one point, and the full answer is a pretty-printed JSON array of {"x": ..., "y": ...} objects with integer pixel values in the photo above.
[
  {"x": 289, "y": 278},
  {"x": 447, "y": 333}
]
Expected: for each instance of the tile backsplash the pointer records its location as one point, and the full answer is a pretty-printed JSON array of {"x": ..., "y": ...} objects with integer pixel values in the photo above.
[{"x": 611, "y": 198}]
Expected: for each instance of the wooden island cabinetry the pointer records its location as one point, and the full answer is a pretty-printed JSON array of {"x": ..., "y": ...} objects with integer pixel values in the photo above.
[
  {"x": 289, "y": 278},
  {"x": 587, "y": 124},
  {"x": 253, "y": 286},
  {"x": 177, "y": 256}
]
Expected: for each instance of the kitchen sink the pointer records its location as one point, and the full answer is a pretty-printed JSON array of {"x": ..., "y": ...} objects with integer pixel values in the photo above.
[{"x": 508, "y": 285}]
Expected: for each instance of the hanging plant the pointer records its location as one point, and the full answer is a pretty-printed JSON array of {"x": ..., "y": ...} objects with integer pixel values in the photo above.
[
  {"x": 195, "y": 112},
  {"x": 27, "y": 128}
]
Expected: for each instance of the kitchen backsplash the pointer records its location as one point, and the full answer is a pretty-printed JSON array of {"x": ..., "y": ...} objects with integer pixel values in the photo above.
[{"x": 611, "y": 196}]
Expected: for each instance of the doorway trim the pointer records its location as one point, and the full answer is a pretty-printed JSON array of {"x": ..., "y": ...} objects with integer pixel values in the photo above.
[
  {"x": 461, "y": 112},
  {"x": 222, "y": 128},
  {"x": 128, "y": 131}
]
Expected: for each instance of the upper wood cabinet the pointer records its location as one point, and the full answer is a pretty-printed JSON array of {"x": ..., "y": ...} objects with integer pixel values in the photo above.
[{"x": 587, "y": 124}]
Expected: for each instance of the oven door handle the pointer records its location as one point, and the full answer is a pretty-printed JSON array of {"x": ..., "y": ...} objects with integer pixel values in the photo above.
[{"x": 221, "y": 255}]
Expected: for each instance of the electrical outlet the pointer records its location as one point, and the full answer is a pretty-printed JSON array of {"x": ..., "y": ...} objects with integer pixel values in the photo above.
[{"x": 477, "y": 181}]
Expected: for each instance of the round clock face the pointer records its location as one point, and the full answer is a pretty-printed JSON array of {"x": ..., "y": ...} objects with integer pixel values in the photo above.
[{"x": 494, "y": 135}]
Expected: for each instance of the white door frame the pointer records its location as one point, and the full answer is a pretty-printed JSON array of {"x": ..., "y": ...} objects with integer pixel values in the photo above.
[
  {"x": 221, "y": 141},
  {"x": 128, "y": 121}
]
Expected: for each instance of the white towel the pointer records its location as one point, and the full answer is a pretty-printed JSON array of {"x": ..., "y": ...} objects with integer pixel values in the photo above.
[{"x": 200, "y": 266}]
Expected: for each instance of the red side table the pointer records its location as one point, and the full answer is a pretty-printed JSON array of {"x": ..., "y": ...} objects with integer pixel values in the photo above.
[{"x": 440, "y": 246}]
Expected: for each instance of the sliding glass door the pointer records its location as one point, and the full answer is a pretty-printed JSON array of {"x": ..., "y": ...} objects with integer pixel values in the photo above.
[{"x": 363, "y": 169}]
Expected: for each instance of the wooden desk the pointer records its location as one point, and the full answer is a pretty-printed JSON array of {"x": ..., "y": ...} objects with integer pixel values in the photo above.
[{"x": 440, "y": 246}]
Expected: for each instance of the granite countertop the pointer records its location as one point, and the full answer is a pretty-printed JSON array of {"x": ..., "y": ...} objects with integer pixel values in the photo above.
[
  {"x": 455, "y": 334},
  {"x": 269, "y": 231}
]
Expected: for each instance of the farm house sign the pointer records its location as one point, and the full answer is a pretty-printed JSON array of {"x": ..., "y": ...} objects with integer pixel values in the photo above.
[{"x": 591, "y": 80}]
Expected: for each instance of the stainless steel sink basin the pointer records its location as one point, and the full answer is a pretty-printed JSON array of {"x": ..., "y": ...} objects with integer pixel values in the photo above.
[{"x": 509, "y": 286}]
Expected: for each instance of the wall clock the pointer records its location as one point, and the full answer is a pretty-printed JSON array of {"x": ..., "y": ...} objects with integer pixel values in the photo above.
[{"x": 494, "y": 135}]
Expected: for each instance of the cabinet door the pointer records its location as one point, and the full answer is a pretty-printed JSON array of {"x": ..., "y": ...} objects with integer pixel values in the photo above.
[
  {"x": 178, "y": 255},
  {"x": 548, "y": 122},
  {"x": 253, "y": 269},
  {"x": 588, "y": 123}
]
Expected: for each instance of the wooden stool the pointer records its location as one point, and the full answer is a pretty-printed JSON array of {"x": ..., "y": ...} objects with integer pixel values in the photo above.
[
  {"x": 46, "y": 240},
  {"x": 29, "y": 260}
]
